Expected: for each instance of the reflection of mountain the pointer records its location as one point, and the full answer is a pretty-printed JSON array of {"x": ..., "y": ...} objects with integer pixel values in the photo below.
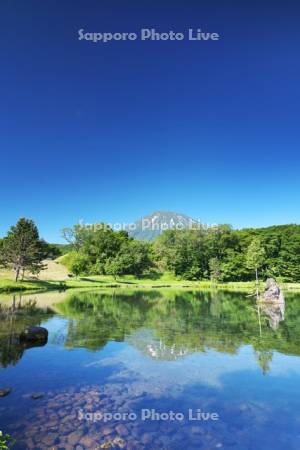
[
  {"x": 163, "y": 325},
  {"x": 13, "y": 320},
  {"x": 154, "y": 347},
  {"x": 167, "y": 325}
]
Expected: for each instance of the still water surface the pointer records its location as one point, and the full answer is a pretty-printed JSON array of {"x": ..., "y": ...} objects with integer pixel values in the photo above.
[{"x": 128, "y": 352}]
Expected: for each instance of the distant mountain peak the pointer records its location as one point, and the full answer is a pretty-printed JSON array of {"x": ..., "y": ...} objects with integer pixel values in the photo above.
[{"x": 148, "y": 227}]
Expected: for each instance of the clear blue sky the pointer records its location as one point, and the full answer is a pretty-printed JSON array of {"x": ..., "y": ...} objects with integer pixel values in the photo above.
[{"x": 114, "y": 131}]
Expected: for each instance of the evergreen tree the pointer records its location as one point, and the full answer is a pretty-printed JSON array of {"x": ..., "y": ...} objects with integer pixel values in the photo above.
[{"x": 22, "y": 249}]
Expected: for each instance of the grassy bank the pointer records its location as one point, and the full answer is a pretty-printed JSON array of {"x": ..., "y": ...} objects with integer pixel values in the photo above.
[
  {"x": 126, "y": 282},
  {"x": 13, "y": 286},
  {"x": 55, "y": 277}
]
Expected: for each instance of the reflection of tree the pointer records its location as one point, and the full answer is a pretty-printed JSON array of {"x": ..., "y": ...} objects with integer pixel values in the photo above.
[
  {"x": 180, "y": 322},
  {"x": 96, "y": 318},
  {"x": 215, "y": 304},
  {"x": 264, "y": 358},
  {"x": 274, "y": 314},
  {"x": 13, "y": 320}
]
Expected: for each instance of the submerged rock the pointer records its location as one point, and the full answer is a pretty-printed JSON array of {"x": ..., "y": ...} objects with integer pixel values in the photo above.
[
  {"x": 106, "y": 430},
  {"x": 273, "y": 293},
  {"x": 34, "y": 334},
  {"x": 146, "y": 438},
  {"x": 37, "y": 396},
  {"x": 119, "y": 442},
  {"x": 122, "y": 430}
]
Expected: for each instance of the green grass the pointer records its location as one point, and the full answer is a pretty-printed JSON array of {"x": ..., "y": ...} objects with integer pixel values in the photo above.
[
  {"x": 55, "y": 277},
  {"x": 106, "y": 281},
  {"x": 13, "y": 286},
  {"x": 165, "y": 281}
]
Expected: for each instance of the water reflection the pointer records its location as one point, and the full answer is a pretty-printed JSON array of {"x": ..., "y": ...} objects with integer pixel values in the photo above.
[
  {"x": 163, "y": 325},
  {"x": 127, "y": 350},
  {"x": 275, "y": 313},
  {"x": 14, "y": 318},
  {"x": 179, "y": 323}
]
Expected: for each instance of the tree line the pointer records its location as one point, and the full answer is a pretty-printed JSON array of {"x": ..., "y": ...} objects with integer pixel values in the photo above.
[
  {"x": 232, "y": 255},
  {"x": 219, "y": 253}
]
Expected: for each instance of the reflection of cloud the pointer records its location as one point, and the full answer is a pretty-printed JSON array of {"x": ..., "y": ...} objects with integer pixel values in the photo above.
[
  {"x": 209, "y": 368},
  {"x": 204, "y": 368}
]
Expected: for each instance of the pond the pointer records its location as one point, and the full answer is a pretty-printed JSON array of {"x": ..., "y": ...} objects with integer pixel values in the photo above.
[{"x": 152, "y": 369}]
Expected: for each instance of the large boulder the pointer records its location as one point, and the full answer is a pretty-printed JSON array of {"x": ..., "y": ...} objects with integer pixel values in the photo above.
[
  {"x": 5, "y": 392},
  {"x": 34, "y": 335},
  {"x": 273, "y": 293}
]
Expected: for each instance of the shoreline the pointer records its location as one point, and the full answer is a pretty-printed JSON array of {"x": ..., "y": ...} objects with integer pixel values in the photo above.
[{"x": 34, "y": 286}]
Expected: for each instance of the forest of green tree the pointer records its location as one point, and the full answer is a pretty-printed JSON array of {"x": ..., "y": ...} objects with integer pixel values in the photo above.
[
  {"x": 223, "y": 253},
  {"x": 220, "y": 253}
]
